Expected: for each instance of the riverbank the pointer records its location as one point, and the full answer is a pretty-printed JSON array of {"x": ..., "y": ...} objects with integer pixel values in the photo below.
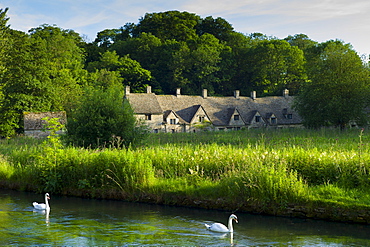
[{"x": 286, "y": 173}]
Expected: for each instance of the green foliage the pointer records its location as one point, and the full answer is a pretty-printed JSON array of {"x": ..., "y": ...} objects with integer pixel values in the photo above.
[
  {"x": 338, "y": 88},
  {"x": 48, "y": 158},
  {"x": 44, "y": 73},
  {"x": 103, "y": 117},
  {"x": 181, "y": 24},
  {"x": 268, "y": 170},
  {"x": 4, "y": 28},
  {"x": 275, "y": 65},
  {"x": 130, "y": 71}
]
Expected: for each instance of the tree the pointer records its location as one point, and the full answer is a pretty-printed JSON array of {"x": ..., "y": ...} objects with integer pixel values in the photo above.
[
  {"x": 26, "y": 85},
  {"x": 168, "y": 25},
  {"x": 218, "y": 27},
  {"x": 108, "y": 37},
  {"x": 44, "y": 72},
  {"x": 196, "y": 63},
  {"x": 302, "y": 41},
  {"x": 338, "y": 88},
  {"x": 130, "y": 71},
  {"x": 104, "y": 118},
  {"x": 4, "y": 28},
  {"x": 275, "y": 65},
  {"x": 64, "y": 62}
]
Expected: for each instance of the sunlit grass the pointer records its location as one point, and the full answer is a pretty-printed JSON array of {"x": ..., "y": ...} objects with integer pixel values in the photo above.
[{"x": 269, "y": 167}]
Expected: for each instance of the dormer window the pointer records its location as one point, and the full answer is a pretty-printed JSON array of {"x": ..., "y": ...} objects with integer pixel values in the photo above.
[
  {"x": 236, "y": 117},
  {"x": 201, "y": 119},
  {"x": 173, "y": 121},
  {"x": 288, "y": 116},
  {"x": 258, "y": 119},
  {"x": 273, "y": 120}
]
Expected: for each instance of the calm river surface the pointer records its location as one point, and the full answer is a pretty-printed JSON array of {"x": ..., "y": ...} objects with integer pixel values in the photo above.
[{"x": 85, "y": 222}]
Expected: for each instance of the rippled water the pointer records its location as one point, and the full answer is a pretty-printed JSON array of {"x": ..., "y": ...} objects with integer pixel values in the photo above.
[{"x": 84, "y": 222}]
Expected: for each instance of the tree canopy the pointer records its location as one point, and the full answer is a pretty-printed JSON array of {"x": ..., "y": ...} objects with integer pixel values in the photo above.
[
  {"x": 49, "y": 68},
  {"x": 338, "y": 89}
]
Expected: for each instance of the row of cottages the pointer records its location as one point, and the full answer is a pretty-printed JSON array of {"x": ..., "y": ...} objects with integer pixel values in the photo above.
[{"x": 185, "y": 113}]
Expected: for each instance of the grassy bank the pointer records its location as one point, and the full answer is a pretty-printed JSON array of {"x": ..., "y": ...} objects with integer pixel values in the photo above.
[{"x": 323, "y": 174}]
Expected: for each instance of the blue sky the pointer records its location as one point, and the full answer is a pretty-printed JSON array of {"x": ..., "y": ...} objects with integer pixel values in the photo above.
[{"x": 321, "y": 20}]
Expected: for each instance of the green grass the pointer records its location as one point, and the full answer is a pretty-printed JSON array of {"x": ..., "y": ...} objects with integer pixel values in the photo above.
[{"x": 273, "y": 168}]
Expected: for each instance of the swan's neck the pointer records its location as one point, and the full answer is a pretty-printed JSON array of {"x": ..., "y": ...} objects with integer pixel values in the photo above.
[
  {"x": 46, "y": 202},
  {"x": 230, "y": 225}
]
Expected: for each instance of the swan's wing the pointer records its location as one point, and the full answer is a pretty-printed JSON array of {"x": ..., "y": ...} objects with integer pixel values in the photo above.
[
  {"x": 40, "y": 206},
  {"x": 218, "y": 227}
]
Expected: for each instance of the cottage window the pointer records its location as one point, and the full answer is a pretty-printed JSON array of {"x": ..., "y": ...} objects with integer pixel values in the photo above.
[
  {"x": 258, "y": 119},
  {"x": 201, "y": 119},
  {"x": 290, "y": 116},
  {"x": 148, "y": 116},
  {"x": 273, "y": 120},
  {"x": 172, "y": 121},
  {"x": 173, "y": 130},
  {"x": 236, "y": 117},
  {"x": 155, "y": 130}
]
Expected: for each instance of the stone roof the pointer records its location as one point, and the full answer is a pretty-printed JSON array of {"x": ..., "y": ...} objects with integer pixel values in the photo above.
[
  {"x": 33, "y": 120},
  {"x": 218, "y": 109},
  {"x": 145, "y": 103}
]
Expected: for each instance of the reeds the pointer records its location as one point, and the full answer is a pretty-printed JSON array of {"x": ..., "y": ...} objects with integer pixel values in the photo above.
[{"x": 272, "y": 168}]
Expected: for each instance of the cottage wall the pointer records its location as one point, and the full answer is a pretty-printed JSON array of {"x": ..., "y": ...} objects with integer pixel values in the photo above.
[
  {"x": 154, "y": 121},
  {"x": 34, "y": 125}
]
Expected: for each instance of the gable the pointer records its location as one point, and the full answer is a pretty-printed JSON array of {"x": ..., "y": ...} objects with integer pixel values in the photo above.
[
  {"x": 200, "y": 116},
  {"x": 235, "y": 118}
]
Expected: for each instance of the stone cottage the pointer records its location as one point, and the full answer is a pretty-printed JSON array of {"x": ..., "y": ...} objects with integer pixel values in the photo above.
[
  {"x": 34, "y": 125},
  {"x": 185, "y": 113}
]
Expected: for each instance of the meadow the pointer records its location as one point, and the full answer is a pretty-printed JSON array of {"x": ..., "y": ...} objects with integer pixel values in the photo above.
[{"x": 290, "y": 172}]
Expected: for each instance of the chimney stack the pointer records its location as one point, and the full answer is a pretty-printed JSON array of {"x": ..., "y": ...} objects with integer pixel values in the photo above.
[
  {"x": 253, "y": 95},
  {"x": 236, "y": 94},
  {"x": 127, "y": 90},
  {"x": 148, "y": 89},
  {"x": 204, "y": 93},
  {"x": 286, "y": 93},
  {"x": 178, "y": 92}
]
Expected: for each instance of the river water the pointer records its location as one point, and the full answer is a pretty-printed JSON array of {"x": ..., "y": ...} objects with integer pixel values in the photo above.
[{"x": 86, "y": 222}]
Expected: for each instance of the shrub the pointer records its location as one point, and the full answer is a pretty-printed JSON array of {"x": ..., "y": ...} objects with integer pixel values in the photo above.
[{"x": 104, "y": 118}]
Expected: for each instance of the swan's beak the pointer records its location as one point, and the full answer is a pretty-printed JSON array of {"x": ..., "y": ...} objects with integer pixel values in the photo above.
[
  {"x": 48, "y": 197},
  {"x": 236, "y": 220}
]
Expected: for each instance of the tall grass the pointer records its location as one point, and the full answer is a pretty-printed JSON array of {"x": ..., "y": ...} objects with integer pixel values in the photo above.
[{"x": 262, "y": 167}]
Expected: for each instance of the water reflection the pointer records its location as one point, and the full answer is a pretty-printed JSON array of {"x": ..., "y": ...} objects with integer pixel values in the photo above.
[
  {"x": 82, "y": 222},
  {"x": 45, "y": 212}
]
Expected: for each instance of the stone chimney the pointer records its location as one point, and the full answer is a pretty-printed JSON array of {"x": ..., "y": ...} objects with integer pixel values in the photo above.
[
  {"x": 285, "y": 93},
  {"x": 204, "y": 93},
  {"x": 178, "y": 90},
  {"x": 236, "y": 94},
  {"x": 253, "y": 95},
  {"x": 148, "y": 89},
  {"x": 127, "y": 90}
]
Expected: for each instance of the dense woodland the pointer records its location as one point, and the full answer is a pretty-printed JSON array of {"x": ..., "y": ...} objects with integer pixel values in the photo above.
[{"x": 50, "y": 68}]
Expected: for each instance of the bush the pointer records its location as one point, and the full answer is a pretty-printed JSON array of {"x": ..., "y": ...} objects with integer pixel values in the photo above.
[{"x": 104, "y": 118}]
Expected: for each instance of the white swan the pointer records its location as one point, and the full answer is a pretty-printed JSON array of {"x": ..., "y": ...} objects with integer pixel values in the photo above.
[
  {"x": 218, "y": 227},
  {"x": 42, "y": 206}
]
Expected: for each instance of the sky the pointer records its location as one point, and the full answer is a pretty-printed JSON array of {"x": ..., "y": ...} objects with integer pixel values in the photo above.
[{"x": 320, "y": 20}]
